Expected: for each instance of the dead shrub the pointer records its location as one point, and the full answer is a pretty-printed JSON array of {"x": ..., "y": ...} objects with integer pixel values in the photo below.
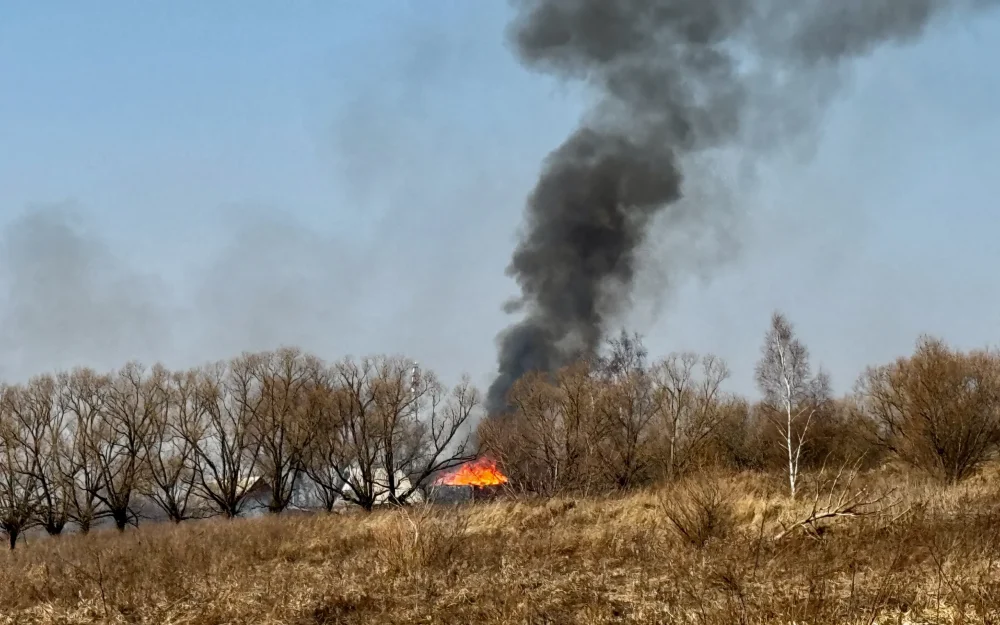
[
  {"x": 936, "y": 410},
  {"x": 698, "y": 511}
]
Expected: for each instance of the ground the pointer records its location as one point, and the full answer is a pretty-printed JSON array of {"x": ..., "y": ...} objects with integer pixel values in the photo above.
[{"x": 704, "y": 551}]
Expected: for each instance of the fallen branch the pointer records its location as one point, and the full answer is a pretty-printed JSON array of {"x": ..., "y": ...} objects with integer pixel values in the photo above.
[{"x": 841, "y": 500}]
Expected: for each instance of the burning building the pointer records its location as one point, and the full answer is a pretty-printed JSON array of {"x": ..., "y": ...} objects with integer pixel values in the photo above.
[{"x": 471, "y": 481}]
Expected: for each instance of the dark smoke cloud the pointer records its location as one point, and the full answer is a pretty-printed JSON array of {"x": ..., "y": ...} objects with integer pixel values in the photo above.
[{"x": 674, "y": 79}]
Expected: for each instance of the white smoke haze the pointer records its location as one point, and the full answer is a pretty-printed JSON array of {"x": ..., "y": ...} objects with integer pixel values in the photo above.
[{"x": 69, "y": 298}]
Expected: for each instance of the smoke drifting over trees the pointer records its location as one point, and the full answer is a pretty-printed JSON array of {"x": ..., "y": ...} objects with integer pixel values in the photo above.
[
  {"x": 70, "y": 299},
  {"x": 674, "y": 78}
]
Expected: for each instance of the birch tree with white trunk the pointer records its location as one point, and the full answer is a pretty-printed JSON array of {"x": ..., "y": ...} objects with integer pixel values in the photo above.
[{"x": 792, "y": 394}]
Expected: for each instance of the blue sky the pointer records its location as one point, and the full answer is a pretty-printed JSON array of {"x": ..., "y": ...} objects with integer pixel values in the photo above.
[{"x": 350, "y": 177}]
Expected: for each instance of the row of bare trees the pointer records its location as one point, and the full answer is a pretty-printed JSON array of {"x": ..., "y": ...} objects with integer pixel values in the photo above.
[
  {"x": 617, "y": 422},
  {"x": 620, "y": 421},
  {"x": 82, "y": 446}
]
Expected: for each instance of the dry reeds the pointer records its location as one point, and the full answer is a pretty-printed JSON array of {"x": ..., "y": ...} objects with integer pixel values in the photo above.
[{"x": 699, "y": 552}]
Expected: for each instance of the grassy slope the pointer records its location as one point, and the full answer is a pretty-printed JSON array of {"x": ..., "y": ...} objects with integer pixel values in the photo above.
[{"x": 615, "y": 560}]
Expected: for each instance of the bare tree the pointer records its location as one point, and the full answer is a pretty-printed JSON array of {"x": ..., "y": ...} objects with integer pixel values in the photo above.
[
  {"x": 792, "y": 394},
  {"x": 326, "y": 454},
  {"x": 689, "y": 398},
  {"x": 567, "y": 436},
  {"x": 127, "y": 422},
  {"x": 18, "y": 486},
  {"x": 625, "y": 355},
  {"x": 281, "y": 426},
  {"x": 355, "y": 411},
  {"x": 627, "y": 407},
  {"x": 524, "y": 439},
  {"x": 169, "y": 455},
  {"x": 737, "y": 437},
  {"x": 398, "y": 423},
  {"x": 41, "y": 430},
  {"x": 546, "y": 443},
  {"x": 938, "y": 410},
  {"x": 437, "y": 436},
  {"x": 226, "y": 452},
  {"x": 82, "y": 396}
]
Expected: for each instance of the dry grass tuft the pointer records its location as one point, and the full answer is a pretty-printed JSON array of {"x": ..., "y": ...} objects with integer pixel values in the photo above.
[{"x": 702, "y": 551}]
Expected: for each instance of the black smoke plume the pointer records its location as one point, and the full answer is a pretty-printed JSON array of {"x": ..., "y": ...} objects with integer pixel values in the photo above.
[{"x": 673, "y": 78}]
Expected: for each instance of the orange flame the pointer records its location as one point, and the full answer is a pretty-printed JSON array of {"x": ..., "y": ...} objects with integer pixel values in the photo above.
[{"x": 482, "y": 472}]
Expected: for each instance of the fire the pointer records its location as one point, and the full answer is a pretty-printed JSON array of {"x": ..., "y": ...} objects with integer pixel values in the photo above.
[{"x": 482, "y": 472}]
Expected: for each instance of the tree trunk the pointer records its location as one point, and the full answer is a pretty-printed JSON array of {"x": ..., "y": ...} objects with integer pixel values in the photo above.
[
  {"x": 673, "y": 450},
  {"x": 793, "y": 468},
  {"x": 12, "y": 536}
]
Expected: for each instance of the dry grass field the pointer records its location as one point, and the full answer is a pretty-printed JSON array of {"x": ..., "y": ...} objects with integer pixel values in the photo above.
[{"x": 702, "y": 552}]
